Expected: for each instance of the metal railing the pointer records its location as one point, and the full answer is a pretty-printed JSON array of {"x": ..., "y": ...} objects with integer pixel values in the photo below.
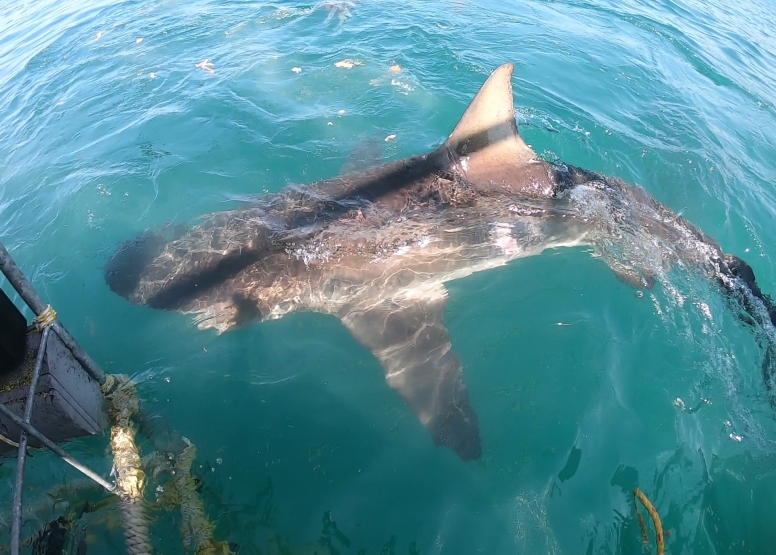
[{"x": 25, "y": 290}]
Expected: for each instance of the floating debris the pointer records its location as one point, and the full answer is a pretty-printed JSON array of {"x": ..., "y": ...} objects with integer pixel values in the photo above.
[
  {"x": 152, "y": 75},
  {"x": 296, "y": 69},
  {"x": 207, "y": 65},
  {"x": 98, "y": 37},
  {"x": 138, "y": 41},
  {"x": 390, "y": 138},
  {"x": 395, "y": 68},
  {"x": 406, "y": 88},
  {"x": 341, "y": 113},
  {"x": 338, "y": 8},
  {"x": 348, "y": 63}
]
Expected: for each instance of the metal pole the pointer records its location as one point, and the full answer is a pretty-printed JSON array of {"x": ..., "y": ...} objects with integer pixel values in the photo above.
[
  {"x": 79, "y": 354},
  {"x": 21, "y": 459},
  {"x": 26, "y": 292},
  {"x": 5, "y": 411}
]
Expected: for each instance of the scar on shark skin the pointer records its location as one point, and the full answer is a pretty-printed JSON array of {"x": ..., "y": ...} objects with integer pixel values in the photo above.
[{"x": 375, "y": 248}]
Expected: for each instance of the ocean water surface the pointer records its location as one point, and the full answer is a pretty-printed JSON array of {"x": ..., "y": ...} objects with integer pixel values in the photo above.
[{"x": 116, "y": 117}]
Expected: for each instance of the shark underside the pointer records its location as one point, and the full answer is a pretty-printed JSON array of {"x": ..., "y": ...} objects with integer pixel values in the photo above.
[{"x": 375, "y": 248}]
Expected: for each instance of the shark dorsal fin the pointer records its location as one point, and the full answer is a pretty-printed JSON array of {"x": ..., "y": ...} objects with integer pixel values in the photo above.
[{"x": 485, "y": 145}]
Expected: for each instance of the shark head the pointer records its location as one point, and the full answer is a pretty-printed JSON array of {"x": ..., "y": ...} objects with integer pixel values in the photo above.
[{"x": 124, "y": 270}]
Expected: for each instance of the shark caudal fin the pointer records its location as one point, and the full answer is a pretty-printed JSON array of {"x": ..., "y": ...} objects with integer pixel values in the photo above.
[{"x": 485, "y": 146}]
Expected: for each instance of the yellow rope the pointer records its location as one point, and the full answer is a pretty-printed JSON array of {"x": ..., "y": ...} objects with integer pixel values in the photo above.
[
  {"x": 10, "y": 442},
  {"x": 119, "y": 391},
  {"x": 642, "y": 524},
  {"x": 655, "y": 519},
  {"x": 196, "y": 528},
  {"x": 44, "y": 319}
]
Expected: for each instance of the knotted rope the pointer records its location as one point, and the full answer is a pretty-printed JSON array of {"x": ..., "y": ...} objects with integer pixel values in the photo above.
[
  {"x": 196, "y": 528},
  {"x": 119, "y": 391},
  {"x": 44, "y": 319}
]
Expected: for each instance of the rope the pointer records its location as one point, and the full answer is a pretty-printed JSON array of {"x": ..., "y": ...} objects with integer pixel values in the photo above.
[
  {"x": 196, "y": 529},
  {"x": 44, "y": 319},
  {"x": 655, "y": 519},
  {"x": 10, "y": 442},
  {"x": 156, "y": 463},
  {"x": 119, "y": 391}
]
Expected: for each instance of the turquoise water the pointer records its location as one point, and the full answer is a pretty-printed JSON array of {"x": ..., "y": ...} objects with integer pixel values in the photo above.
[{"x": 578, "y": 381}]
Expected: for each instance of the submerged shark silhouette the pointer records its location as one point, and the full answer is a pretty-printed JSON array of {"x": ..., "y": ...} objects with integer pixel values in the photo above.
[{"x": 375, "y": 249}]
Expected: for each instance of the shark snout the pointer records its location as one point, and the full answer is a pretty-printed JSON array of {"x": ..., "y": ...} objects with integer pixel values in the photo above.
[{"x": 124, "y": 270}]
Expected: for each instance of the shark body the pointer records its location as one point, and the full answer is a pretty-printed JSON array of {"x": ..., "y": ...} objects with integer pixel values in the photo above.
[{"x": 375, "y": 248}]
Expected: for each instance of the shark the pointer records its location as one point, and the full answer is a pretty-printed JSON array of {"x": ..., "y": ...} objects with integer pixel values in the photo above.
[{"x": 375, "y": 248}]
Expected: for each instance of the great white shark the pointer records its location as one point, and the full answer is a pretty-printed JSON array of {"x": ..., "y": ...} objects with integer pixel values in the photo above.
[{"x": 375, "y": 249}]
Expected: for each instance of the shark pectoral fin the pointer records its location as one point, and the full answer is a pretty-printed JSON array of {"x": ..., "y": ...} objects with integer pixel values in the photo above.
[
  {"x": 411, "y": 342},
  {"x": 485, "y": 145},
  {"x": 630, "y": 275}
]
